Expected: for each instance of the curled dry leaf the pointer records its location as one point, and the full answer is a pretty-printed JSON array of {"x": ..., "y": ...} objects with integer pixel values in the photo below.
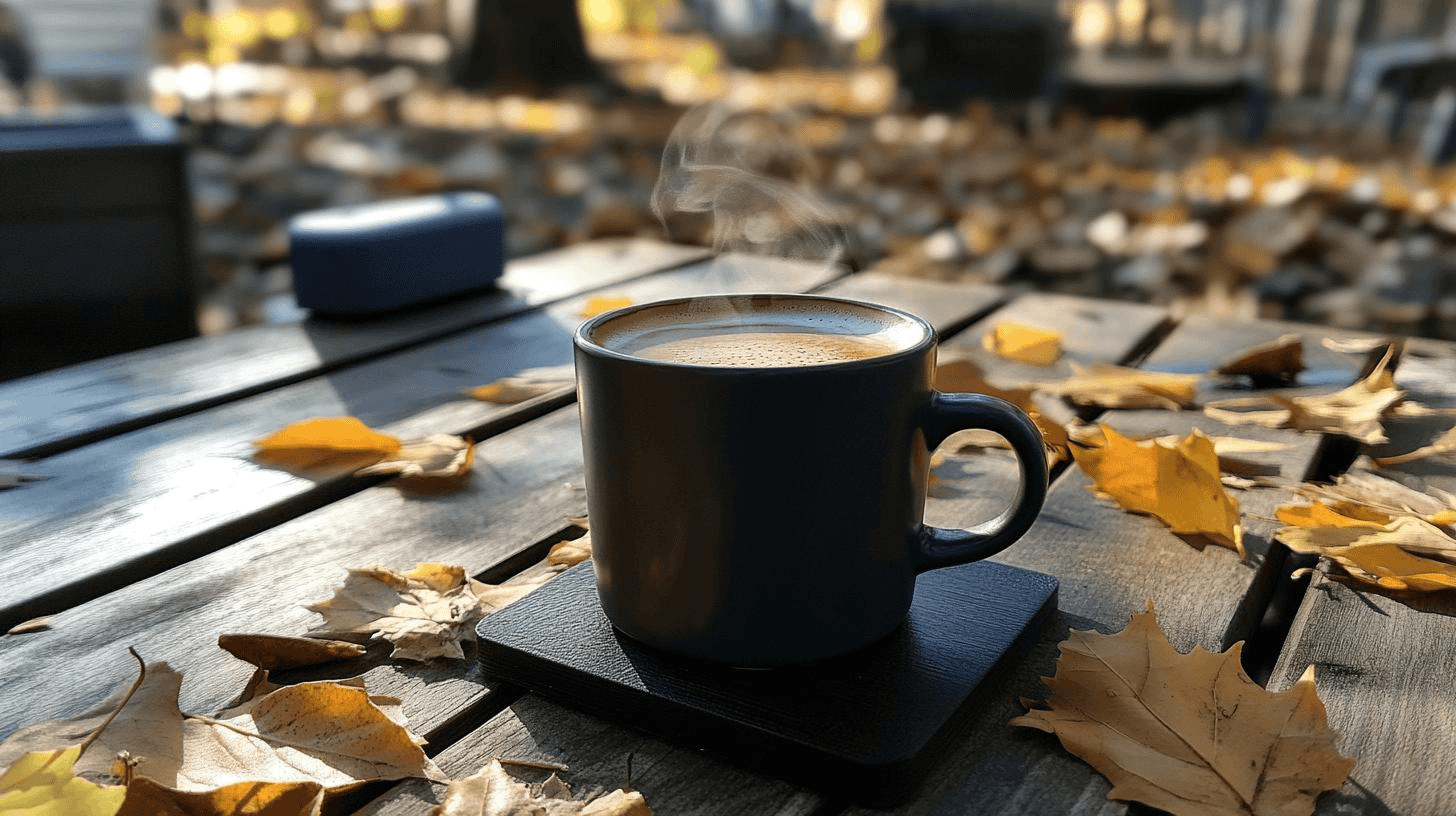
[
  {"x": 425, "y": 612},
  {"x": 1177, "y": 484},
  {"x": 565, "y": 554},
  {"x": 1110, "y": 386},
  {"x": 329, "y": 733},
  {"x": 524, "y": 385},
  {"x": 493, "y": 792},
  {"x": 1406, "y": 554},
  {"x": 1355, "y": 411},
  {"x": 1188, "y": 733},
  {"x": 44, "y": 783},
  {"x": 282, "y": 652},
  {"x": 1024, "y": 344},
  {"x": 1441, "y": 446},
  {"x": 40, "y": 624},
  {"x": 146, "y": 798},
  {"x": 601, "y": 304},
  {"x": 439, "y": 461},
  {"x": 331, "y": 442},
  {"x": 1274, "y": 363}
]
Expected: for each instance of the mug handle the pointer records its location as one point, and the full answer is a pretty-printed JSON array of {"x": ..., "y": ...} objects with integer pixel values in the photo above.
[{"x": 947, "y": 413}]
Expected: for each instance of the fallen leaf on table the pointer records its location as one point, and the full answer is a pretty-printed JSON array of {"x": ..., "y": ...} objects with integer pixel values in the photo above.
[
  {"x": 1355, "y": 411},
  {"x": 524, "y": 385},
  {"x": 965, "y": 376},
  {"x": 441, "y": 461},
  {"x": 598, "y": 305},
  {"x": 493, "y": 792},
  {"x": 1233, "y": 454},
  {"x": 342, "y": 442},
  {"x": 1177, "y": 484},
  {"x": 1024, "y": 344},
  {"x": 1188, "y": 733},
  {"x": 1110, "y": 386},
  {"x": 44, "y": 783},
  {"x": 329, "y": 733},
  {"x": 148, "y": 726},
  {"x": 1271, "y": 363},
  {"x": 1440, "y": 446},
  {"x": 1355, "y": 345},
  {"x": 147, "y": 798},
  {"x": 282, "y": 652},
  {"x": 495, "y": 597},
  {"x": 15, "y": 478},
  {"x": 1368, "y": 499},
  {"x": 565, "y": 554},
  {"x": 1392, "y": 557},
  {"x": 425, "y": 612},
  {"x": 40, "y": 624}
]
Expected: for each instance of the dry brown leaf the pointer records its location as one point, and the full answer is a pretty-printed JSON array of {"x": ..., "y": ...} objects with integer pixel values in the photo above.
[
  {"x": 149, "y": 727},
  {"x": 331, "y": 442},
  {"x": 40, "y": 624},
  {"x": 524, "y": 385},
  {"x": 425, "y": 612},
  {"x": 495, "y": 597},
  {"x": 1393, "y": 556},
  {"x": 1188, "y": 733},
  {"x": 1024, "y": 344},
  {"x": 1177, "y": 484},
  {"x": 493, "y": 792},
  {"x": 565, "y": 554},
  {"x": 1355, "y": 411},
  {"x": 1110, "y": 386},
  {"x": 1367, "y": 496},
  {"x": 330, "y": 733},
  {"x": 601, "y": 304},
  {"x": 1272, "y": 363},
  {"x": 441, "y": 461},
  {"x": 965, "y": 376},
  {"x": 282, "y": 652},
  {"x": 147, "y": 798}
]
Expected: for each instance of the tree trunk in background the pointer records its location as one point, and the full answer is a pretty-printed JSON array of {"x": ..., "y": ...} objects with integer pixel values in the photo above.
[{"x": 527, "y": 44}]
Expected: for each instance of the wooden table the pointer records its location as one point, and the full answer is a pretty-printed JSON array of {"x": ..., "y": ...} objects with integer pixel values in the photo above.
[{"x": 155, "y": 530}]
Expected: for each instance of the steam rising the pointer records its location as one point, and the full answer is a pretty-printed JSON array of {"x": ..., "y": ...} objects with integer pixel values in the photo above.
[{"x": 745, "y": 172}]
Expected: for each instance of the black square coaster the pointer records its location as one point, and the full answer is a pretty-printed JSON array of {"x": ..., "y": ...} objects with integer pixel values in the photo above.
[{"x": 864, "y": 725}]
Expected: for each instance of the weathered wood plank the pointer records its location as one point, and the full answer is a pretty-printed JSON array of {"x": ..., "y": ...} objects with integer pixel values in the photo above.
[
  {"x": 129, "y": 506},
  {"x": 1384, "y": 664},
  {"x": 673, "y": 780},
  {"x": 59, "y": 410},
  {"x": 947, "y": 306},
  {"x": 1110, "y": 564},
  {"x": 1383, "y": 668}
]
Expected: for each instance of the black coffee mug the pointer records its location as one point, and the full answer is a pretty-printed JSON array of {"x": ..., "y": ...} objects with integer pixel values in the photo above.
[{"x": 771, "y": 515}]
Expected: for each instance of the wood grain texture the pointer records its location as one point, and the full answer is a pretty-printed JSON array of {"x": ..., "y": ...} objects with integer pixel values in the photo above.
[
  {"x": 947, "y": 306},
  {"x": 165, "y": 493},
  {"x": 674, "y": 780},
  {"x": 525, "y": 487},
  {"x": 1384, "y": 669},
  {"x": 59, "y": 410},
  {"x": 1384, "y": 663}
]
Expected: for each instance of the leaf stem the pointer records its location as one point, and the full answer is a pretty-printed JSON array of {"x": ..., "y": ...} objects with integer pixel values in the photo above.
[{"x": 141, "y": 676}]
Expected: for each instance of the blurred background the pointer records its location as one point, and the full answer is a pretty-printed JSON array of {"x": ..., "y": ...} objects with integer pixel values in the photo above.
[{"x": 1274, "y": 158}]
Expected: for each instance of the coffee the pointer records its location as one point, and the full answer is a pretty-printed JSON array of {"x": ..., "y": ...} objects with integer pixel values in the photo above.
[{"x": 771, "y": 334}]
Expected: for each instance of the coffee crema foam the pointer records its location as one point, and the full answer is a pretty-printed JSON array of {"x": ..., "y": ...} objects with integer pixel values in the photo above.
[{"x": 758, "y": 333}]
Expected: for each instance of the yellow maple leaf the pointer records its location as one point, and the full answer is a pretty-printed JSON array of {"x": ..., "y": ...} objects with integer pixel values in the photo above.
[
  {"x": 44, "y": 783},
  {"x": 343, "y": 442},
  {"x": 1024, "y": 344},
  {"x": 493, "y": 792},
  {"x": 600, "y": 304},
  {"x": 147, "y": 798},
  {"x": 1177, "y": 484},
  {"x": 1173, "y": 730},
  {"x": 965, "y": 376},
  {"x": 1408, "y": 553}
]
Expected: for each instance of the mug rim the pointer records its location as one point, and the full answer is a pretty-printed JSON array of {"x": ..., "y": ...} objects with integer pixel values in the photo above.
[{"x": 583, "y": 340}]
